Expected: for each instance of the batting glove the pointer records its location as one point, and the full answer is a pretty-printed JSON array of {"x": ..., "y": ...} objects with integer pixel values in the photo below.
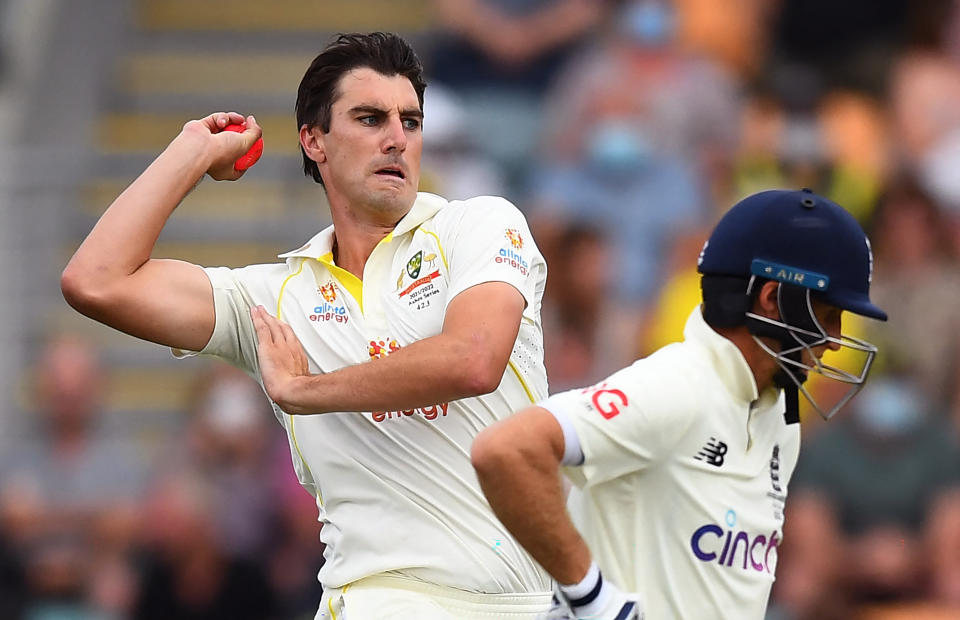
[{"x": 597, "y": 599}]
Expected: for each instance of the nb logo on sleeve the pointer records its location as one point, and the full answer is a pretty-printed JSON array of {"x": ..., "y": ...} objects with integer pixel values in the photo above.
[{"x": 713, "y": 452}]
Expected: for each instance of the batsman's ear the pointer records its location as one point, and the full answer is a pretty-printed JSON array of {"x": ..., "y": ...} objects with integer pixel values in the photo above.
[
  {"x": 766, "y": 302},
  {"x": 311, "y": 139}
]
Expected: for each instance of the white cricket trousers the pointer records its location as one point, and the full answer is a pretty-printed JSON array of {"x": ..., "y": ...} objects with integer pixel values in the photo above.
[{"x": 396, "y": 598}]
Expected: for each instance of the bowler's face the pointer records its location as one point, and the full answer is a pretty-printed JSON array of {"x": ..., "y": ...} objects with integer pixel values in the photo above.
[{"x": 371, "y": 155}]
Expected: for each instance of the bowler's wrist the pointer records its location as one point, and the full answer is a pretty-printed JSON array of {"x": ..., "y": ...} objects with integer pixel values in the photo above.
[
  {"x": 297, "y": 395},
  {"x": 194, "y": 151}
]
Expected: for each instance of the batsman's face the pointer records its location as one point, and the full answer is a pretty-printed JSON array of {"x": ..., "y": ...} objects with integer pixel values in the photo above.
[
  {"x": 370, "y": 158},
  {"x": 830, "y": 319}
]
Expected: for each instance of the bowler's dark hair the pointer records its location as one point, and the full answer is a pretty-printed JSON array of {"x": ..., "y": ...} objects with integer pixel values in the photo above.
[{"x": 385, "y": 53}]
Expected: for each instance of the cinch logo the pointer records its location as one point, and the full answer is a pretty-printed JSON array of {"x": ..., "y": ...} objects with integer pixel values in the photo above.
[
  {"x": 712, "y": 452},
  {"x": 509, "y": 257},
  {"x": 515, "y": 239},
  {"x": 329, "y": 292},
  {"x": 327, "y": 312},
  {"x": 382, "y": 348},
  {"x": 712, "y": 543},
  {"x": 606, "y": 401}
]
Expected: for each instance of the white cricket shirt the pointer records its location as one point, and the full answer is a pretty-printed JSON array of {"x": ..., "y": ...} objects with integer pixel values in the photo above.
[
  {"x": 395, "y": 489},
  {"x": 680, "y": 496}
]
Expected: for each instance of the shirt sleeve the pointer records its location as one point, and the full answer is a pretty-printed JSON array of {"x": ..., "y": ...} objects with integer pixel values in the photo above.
[
  {"x": 235, "y": 292},
  {"x": 487, "y": 239},
  {"x": 234, "y": 339},
  {"x": 626, "y": 423}
]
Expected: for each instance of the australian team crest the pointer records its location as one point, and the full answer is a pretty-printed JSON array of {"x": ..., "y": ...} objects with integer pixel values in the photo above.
[
  {"x": 515, "y": 239},
  {"x": 329, "y": 292},
  {"x": 414, "y": 264}
]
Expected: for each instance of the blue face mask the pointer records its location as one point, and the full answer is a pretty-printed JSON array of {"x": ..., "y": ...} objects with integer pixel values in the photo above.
[
  {"x": 889, "y": 407},
  {"x": 616, "y": 146},
  {"x": 648, "y": 23}
]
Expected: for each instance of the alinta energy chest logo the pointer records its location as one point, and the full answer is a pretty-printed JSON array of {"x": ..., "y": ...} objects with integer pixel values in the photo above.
[
  {"x": 329, "y": 292},
  {"x": 510, "y": 256},
  {"x": 382, "y": 348},
  {"x": 329, "y": 310}
]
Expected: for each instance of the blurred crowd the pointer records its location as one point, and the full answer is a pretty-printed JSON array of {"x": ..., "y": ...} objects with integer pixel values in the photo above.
[
  {"x": 623, "y": 129},
  {"x": 209, "y": 524}
]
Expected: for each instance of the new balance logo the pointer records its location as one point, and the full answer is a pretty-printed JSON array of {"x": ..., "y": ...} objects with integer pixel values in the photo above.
[{"x": 712, "y": 452}]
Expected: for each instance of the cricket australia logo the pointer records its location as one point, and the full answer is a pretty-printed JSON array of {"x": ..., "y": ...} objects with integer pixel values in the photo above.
[
  {"x": 713, "y": 452},
  {"x": 329, "y": 292},
  {"x": 413, "y": 265}
]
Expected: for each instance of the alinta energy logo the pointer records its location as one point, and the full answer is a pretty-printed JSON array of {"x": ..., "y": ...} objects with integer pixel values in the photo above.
[
  {"x": 328, "y": 291},
  {"x": 328, "y": 310},
  {"x": 515, "y": 239},
  {"x": 507, "y": 256},
  {"x": 382, "y": 348}
]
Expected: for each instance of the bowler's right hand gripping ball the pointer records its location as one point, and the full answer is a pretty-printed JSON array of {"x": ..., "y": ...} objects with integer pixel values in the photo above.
[{"x": 250, "y": 157}]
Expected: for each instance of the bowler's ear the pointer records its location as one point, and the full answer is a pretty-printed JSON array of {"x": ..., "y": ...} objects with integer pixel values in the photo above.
[
  {"x": 311, "y": 139},
  {"x": 766, "y": 302}
]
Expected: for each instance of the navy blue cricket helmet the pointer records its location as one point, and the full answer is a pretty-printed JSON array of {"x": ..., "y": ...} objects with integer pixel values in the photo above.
[
  {"x": 799, "y": 238},
  {"x": 816, "y": 250}
]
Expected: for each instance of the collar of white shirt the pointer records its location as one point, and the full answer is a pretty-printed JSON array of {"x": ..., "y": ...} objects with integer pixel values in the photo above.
[
  {"x": 424, "y": 207},
  {"x": 727, "y": 360}
]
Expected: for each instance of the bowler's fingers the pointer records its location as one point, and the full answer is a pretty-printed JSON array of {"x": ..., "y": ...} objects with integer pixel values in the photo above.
[
  {"x": 277, "y": 332},
  {"x": 300, "y": 357},
  {"x": 218, "y": 120},
  {"x": 253, "y": 131},
  {"x": 273, "y": 324},
  {"x": 260, "y": 326}
]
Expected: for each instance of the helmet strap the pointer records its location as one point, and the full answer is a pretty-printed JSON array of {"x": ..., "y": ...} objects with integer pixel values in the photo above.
[{"x": 786, "y": 381}]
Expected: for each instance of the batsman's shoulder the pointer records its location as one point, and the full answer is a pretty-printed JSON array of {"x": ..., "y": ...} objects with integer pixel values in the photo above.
[{"x": 674, "y": 380}]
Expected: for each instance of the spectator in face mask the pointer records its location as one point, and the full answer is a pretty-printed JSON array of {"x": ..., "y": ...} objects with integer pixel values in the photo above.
[
  {"x": 635, "y": 131},
  {"x": 874, "y": 514},
  {"x": 683, "y": 105}
]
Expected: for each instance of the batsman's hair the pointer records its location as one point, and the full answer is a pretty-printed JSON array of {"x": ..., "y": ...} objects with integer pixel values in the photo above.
[{"x": 385, "y": 53}]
